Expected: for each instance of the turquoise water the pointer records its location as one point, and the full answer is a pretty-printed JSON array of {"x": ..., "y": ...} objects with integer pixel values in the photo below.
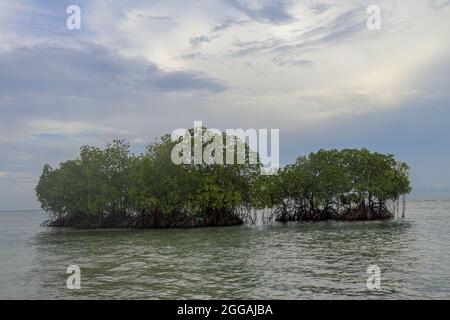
[{"x": 295, "y": 261}]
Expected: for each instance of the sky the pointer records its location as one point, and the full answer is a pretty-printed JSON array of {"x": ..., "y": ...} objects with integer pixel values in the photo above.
[{"x": 139, "y": 69}]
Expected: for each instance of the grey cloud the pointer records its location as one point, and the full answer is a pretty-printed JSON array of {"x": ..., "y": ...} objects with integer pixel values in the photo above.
[
  {"x": 438, "y": 4},
  {"x": 159, "y": 22},
  {"x": 155, "y": 18},
  {"x": 91, "y": 70},
  {"x": 249, "y": 47},
  {"x": 345, "y": 24},
  {"x": 294, "y": 63},
  {"x": 213, "y": 34},
  {"x": 227, "y": 24},
  {"x": 345, "y": 27},
  {"x": 193, "y": 55},
  {"x": 222, "y": 26},
  {"x": 181, "y": 81},
  {"x": 319, "y": 7},
  {"x": 348, "y": 26},
  {"x": 197, "y": 41},
  {"x": 273, "y": 11}
]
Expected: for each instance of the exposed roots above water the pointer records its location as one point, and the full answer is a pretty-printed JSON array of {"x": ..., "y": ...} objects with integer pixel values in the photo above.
[{"x": 144, "y": 221}]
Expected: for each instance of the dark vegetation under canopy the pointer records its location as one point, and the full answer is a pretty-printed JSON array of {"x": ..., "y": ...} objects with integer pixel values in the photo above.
[{"x": 113, "y": 188}]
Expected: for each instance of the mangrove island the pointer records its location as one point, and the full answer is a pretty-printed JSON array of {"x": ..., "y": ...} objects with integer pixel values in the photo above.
[{"x": 113, "y": 188}]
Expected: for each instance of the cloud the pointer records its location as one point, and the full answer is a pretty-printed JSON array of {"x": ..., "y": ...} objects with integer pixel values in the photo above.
[
  {"x": 91, "y": 70},
  {"x": 319, "y": 7},
  {"x": 343, "y": 26},
  {"x": 155, "y": 18},
  {"x": 294, "y": 63},
  {"x": 244, "y": 48},
  {"x": 45, "y": 128},
  {"x": 162, "y": 23},
  {"x": 438, "y": 4},
  {"x": 197, "y": 41},
  {"x": 267, "y": 11},
  {"x": 227, "y": 23},
  {"x": 69, "y": 93},
  {"x": 347, "y": 26},
  {"x": 193, "y": 55}
]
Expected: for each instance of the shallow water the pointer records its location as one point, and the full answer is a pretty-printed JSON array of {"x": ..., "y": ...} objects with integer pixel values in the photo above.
[{"x": 295, "y": 261}]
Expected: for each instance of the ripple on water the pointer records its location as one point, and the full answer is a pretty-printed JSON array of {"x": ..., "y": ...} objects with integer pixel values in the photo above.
[{"x": 294, "y": 261}]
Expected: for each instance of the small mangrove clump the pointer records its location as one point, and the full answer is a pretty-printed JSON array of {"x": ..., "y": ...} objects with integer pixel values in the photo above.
[
  {"x": 112, "y": 188},
  {"x": 339, "y": 185}
]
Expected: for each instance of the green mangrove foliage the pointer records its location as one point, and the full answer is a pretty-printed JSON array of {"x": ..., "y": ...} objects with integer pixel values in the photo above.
[
  {"x": 114, "y": 188},
  {"x": 342, "y": 185}
]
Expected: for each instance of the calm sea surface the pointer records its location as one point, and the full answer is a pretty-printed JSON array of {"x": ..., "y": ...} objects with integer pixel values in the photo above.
[{"x": 295, "y": 261}]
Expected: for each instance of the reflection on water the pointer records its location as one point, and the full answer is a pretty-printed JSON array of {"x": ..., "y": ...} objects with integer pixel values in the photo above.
[{"x": 293, "y": 261}]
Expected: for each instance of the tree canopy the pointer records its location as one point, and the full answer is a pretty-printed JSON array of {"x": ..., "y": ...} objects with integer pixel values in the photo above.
[
  {"x": 102, "y": 187},
  {"x": 115, "y": 188},
  {"x": 348, "y": 184}
]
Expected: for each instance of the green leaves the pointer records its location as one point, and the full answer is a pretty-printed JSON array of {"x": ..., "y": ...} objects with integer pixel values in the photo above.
[
  {"x": 329, "y": 184},
  {"x": 114, "y": 182},
  {"x": 323, "y": 185},
  {"x": 190, "y": 189},
  {"x": 96, "y": 183}
]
